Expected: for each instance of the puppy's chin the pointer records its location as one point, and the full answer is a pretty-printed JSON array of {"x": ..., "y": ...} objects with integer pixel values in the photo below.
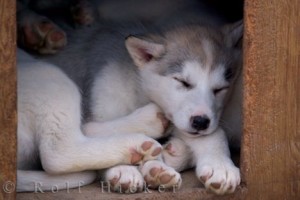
[{"x": 195, "y": 134}]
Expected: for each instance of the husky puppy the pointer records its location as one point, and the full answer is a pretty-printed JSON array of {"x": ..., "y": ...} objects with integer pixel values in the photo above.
[
  {"x": 122, "y": 87},
  {"x": 190, "y": 75}
]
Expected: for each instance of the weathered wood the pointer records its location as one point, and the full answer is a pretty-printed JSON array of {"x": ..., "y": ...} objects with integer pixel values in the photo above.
[
  {"x": 8, "y": 117},
  {"x": 271, "y": 155}
]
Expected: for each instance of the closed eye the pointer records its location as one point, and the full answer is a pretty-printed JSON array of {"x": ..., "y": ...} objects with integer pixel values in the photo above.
[
  {"x": 183, "y": 83},
  {"x": 218, "y": 90}
]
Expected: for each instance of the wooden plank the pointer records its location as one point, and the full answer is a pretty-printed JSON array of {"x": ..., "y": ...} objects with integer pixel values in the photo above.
[
  {"x": 271, "y": 153},
  {"x": 8, "y": 116}
]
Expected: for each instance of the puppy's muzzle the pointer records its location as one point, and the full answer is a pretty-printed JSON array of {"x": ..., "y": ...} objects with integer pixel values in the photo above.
[{"x": 200, "y": 123}]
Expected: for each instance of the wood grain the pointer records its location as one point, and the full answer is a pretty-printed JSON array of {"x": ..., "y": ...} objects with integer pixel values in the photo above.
[
  {"x": 8, "y": 117},
  {"x": 271, "y": 151}
]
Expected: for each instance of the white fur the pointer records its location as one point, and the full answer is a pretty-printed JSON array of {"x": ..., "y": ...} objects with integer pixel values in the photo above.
[
  {"x": 181, "y": 104},
  {"x": 177, "y": 154},
  {"x": 123, "y": 117},
  {"x": 207, "y": 149},
  {"x": 108, "y": 104},
  {"x": 49, "y": 127},
  {"x": 210, "y": 154},
  {"x": 140, "y": 121},
  {"x": 212, "y": 159}
]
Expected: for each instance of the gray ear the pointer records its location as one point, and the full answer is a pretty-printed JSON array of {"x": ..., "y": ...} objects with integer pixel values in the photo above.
[
  {"x": 233, "y": 34},
  {"x": 142, "y": 51}
]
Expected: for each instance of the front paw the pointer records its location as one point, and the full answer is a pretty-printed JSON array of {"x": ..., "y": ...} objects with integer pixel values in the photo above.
[
  {"x": 220, "y": 177},
  {"x": 147, "y": 150},
  {"x": 124, "y": 179},
  {"x": 177, "y": 154},
  {"x": 152, "y": 122},
  {"x": 157, "y": 174}
]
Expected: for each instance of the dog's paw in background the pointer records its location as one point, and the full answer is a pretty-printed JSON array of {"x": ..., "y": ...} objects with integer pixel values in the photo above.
[
  {"x": 38, "y": 33},
  {"x": 219, "y": 176},
  {"x": 83, "y": 13}
]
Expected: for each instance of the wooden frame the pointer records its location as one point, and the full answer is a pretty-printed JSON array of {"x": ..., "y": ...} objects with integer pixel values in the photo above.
[
  {"x": 271, "y": 151},
  {"x": 270, "y": 155},
  {"x": 8, "y": 107}
]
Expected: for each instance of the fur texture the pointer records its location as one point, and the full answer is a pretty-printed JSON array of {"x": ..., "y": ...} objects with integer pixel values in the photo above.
[{"x": 186, "y": 72}]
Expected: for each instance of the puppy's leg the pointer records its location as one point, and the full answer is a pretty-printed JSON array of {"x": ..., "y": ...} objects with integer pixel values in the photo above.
[
  {"x": 214, "y": 166},
  {"x": 148, "y": 120},
  {"x": 60, "y": 155},
  {"x": 51, "y": 102},
  {"x": 177, "y": 154},
  {"x": 38, "y": 33}
]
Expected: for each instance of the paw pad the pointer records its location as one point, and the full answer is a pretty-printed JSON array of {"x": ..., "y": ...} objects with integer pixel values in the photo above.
[
  {"x": 154, "y": 171},
  {"x": 56, "y": 36},
  {"x": 147, "y": 145},
  {"x": 136, "y": 157},
  {"x": 42, "y": 35},
  {"x": 156, "y": 152},
  {"x": 125, "y": 186},
  {"x": 166, "y": 178},
  {"x": 45, "y": 26},
  {"x": 157, "y": 173},
  {"x": 148, "y": 150},
  {"x": 216, "y": 185},
  {"x": 114, "y": 181},
  {"x": 169, "y": 148},
  {"x": 124, "y": 179},
  {"x": 221, "y": 178},
  {"x": 204, "y": 178},
  {"x": 163, "y": 120}
]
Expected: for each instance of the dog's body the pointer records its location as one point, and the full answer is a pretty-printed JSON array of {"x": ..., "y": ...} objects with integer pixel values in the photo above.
[
  {"x": 188, "y": 72},
  {"x": 49, "y": 132}
]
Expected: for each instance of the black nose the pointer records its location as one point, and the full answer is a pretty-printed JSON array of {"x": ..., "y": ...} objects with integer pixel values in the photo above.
[{"x": 200, "y": 123}]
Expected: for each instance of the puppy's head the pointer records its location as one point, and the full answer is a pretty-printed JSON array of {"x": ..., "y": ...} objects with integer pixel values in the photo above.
[{"x": 189, "y": 72}]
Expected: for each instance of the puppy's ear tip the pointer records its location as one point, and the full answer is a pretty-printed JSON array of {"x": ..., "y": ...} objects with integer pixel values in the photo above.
[
  {"x": 239, "y": 23},
  {"x": 234, "y": 33},
  {"x": 143, "y": 51}
]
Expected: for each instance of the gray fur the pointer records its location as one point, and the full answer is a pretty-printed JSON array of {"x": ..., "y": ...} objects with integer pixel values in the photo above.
[{"x": 91, "y": 49}]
